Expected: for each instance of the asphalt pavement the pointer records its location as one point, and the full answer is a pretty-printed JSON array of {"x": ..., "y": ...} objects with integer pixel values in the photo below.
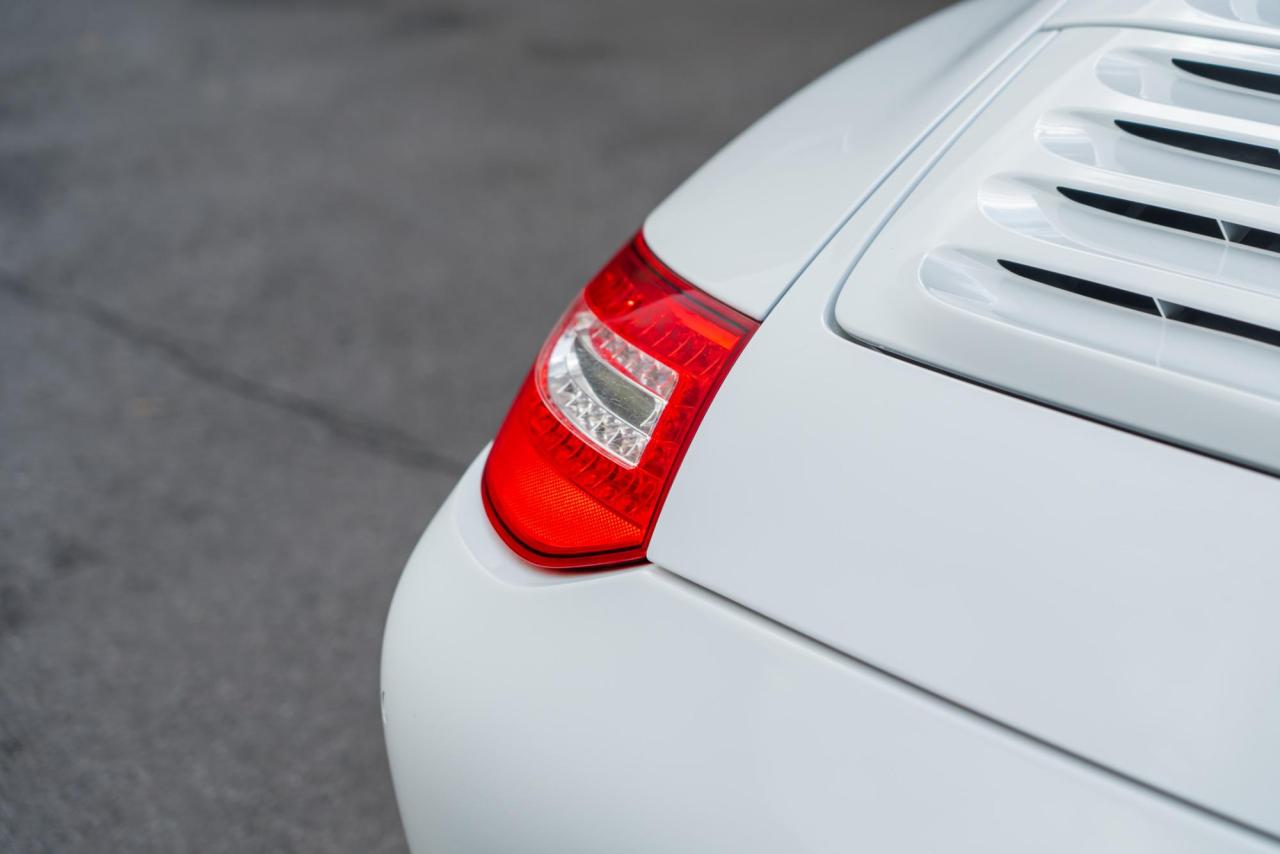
[{"x": 270, "y": 273}]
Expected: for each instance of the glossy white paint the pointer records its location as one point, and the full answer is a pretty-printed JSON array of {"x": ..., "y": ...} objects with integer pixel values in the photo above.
[
  {"x": 634, "y": 712},
  {"x": 744, "y": 225},
  {"x": 1244, "y": 21},
  {"x": 1107, "y": 593},
  {"x": 931, "y": 287},
  {"x": 1088, "y": 612}
]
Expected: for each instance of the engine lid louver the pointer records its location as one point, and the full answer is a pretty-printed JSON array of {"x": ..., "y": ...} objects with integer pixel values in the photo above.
[
  {"x": 1147, "y": 305},
  {"x": 1104, "y": 238},
  {"x": 1211, "y": 146},
  {"x": 1244, "y": 78}
]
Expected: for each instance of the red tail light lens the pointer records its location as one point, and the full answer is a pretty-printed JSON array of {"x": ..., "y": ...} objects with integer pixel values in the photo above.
[{"x": 579, "y": 470}]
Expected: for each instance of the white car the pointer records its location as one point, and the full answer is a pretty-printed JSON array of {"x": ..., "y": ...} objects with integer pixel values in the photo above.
[{"x": 909, "y": 484}]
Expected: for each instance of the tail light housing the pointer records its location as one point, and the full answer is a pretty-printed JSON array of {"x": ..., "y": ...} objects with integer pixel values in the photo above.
[{"x": 578, "y": 471}]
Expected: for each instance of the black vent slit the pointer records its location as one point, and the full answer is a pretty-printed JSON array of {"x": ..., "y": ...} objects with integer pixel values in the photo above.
[
  {"x": 1084, "y": 287},
  {"x": 1170, "y": 311},
  {"x": 1167, "y": 217},
  {"x": 1258, "y": 238},
  {"x": 1213, "y": 146},
  {"x": 1258, "y": 81},
  {"x": 1219, "y": 323},
  {"x": 1242, "y": 235}
]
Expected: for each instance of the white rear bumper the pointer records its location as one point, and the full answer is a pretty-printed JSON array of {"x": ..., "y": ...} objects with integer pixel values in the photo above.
[{"x": 633, "y": 711}]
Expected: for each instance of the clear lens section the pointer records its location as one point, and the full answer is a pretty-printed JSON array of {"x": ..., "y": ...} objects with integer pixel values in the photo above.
[{"x": 606, "y": 390}]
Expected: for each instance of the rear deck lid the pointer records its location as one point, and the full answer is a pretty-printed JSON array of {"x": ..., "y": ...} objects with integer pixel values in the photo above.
[{"x": 745, "y": 224}]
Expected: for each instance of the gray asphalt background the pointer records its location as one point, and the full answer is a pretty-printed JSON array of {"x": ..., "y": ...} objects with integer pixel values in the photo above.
[{"x": 270, "y": 273}]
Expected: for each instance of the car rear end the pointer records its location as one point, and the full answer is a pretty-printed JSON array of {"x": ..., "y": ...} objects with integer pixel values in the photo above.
[{"x": 908, "y": 484}]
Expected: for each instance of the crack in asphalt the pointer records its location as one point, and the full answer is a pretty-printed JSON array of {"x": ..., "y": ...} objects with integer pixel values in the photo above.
[{"x": 382, "y": 439}]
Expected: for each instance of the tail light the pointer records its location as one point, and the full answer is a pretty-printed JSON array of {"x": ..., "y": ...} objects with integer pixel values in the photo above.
[{"x": 580, "y": 467}]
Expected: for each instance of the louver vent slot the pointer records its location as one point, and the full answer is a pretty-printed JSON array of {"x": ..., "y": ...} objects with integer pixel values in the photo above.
[
  {"x": 1256, "y": 238},
  {"x": 1258, "y": 81},
  {"x": 1241, "y": 152},
  {"x": 1167, "y": 217},
  {"x": 1145, "y": 304},
  {"x": 1083, "y": 287},
  {"x": 1218, "y": 323}
]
